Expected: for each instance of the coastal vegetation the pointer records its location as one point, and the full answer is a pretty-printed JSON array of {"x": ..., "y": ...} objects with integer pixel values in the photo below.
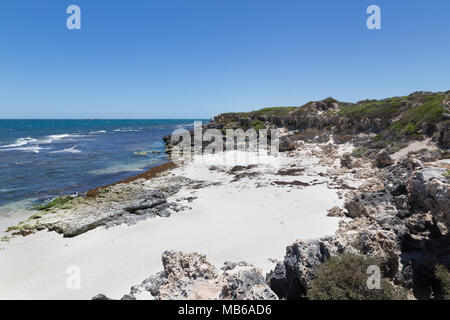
[
  {"x": 57, "y": 203},
  {"x": 443, "y": 276},
  {"x": 344, "y": 277},
  {"x": 392, "y": 122}
]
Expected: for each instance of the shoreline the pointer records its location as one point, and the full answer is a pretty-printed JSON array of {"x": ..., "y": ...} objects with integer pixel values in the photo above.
[
  {"x": 329, "y": 194},
  {"x": 212, "y": 223}
]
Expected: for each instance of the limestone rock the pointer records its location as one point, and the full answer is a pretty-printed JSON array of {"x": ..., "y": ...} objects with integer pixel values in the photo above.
[
  {"x": 355, "y": 209},
  {"x": 428, "y": 190},
  {"x": 100, "y": 296},
  {"x": 191, "y": 276},
  {"x": 290, "y": 277},
  {"x": 346, "y": 161},
  {"x": 286, "y": 144},
  {"x": 383, "y": 159},
  {"x": 245, "y": 283}
]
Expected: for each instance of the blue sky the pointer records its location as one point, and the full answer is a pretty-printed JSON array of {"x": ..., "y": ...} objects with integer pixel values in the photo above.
[{"x": 198, "y": 58}]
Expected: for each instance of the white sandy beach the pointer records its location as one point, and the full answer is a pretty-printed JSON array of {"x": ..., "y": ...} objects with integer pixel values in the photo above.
[{"x": 251, "y": 219}]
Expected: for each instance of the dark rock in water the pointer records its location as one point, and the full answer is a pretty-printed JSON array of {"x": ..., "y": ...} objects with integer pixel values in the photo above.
[
  {"x": 128, "y": 297},
  {"x": 383, "y": 159},
  {"x": 101, "y": 297},
  {"x": 286, "y": 144}
]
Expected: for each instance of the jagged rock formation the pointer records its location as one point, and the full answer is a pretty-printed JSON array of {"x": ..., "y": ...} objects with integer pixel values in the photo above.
[
  {"x": 125, "y": 203},
  {"x": 428, "y": 190},
  {"x": 290, "y": 277},
  {"x": 383, "y": 159},
  {"x": 191, "y": 276},
  {"x": 393, "y": 122}
]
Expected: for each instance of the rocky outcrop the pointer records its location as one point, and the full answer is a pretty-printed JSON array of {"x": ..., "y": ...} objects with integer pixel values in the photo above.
[
  {"x": 346, "y": 161},
  {"x": 191, "y": 276},
  {"x": 355, "y": 208},
  {"x": 444, "y": 135},
  {"x": 290, "y": 277},
  {"x": 383, "y": 159},
  {"x": 429, "y": 191},
  {"x": 286, "y": 144},
  {"x": 123, "y": 203},
  {"x": 242, "y": 281}
]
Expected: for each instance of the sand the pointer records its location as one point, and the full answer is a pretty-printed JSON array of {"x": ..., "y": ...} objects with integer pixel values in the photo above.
[
  {"x": 414, "y": 147},
  {"x": 251, "y": 220}
]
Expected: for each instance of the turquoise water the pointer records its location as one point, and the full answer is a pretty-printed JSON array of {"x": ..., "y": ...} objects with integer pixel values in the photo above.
[{"x": 42, "y": 159}]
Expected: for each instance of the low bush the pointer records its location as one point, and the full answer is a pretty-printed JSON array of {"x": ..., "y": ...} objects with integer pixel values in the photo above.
[
  {"x": 443, "y": 275},
  {"x": 344, "y": 277}
]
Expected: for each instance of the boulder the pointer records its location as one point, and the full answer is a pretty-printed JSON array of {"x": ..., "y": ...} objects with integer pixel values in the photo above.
[
  {"x": 179, "y": 265},
  {"x": 286, "y": 144},
  {"x": 245, "y": 282},
  {"x": 151, "y": 284},
  {"x": 346, "y": 161},
  {"x": 355, "y": 209},
  {"x": 144, "y": 204},
  {"x": 290, "y": 277},
  {"x": 191, "y": 276},
  {"x": 444, "y": 135},
  {"x": 100, "y": 296},
  {"x": 428, "y": 190},
  {"x": 383, "y": 159}
]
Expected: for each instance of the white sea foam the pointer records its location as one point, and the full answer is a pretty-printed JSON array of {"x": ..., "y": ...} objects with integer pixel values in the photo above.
[
  {"x": 56, "y": 137},
  {"x": 20, "y": 142},
  {"x": 127, "y": 130},
  {"x": 97, "y": 132},
  {"x": 68, "y": 150},
  {"x": 32, "y": 145},
  {"x": 34, "y": 149}
]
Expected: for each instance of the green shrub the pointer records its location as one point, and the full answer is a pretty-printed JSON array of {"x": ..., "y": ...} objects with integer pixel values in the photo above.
[
  {"x": 443, "y": 275},
  {"x": 56, "y": 203},
  {"x": 344, "y": 277},
  {"x": 279, "y": 111},
  {"x": 359, "y": 151},
  {"x": 384, "y": 109},
  {"x": 257, "y": 125}
]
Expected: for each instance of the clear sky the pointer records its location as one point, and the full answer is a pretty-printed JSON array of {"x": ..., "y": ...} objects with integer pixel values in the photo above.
[{"x": 198, "y": 58}]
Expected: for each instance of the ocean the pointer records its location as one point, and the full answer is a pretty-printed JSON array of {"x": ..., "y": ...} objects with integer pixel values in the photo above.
[{"x": 43, "y": 159}]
